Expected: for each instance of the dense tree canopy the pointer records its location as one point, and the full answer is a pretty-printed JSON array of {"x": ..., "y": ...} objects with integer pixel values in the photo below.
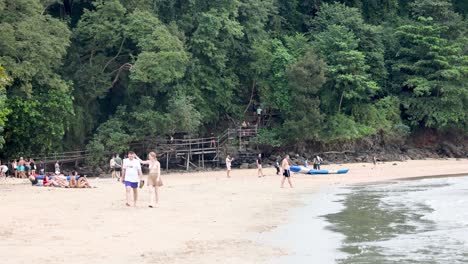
[{"x": 102, "y": 74}]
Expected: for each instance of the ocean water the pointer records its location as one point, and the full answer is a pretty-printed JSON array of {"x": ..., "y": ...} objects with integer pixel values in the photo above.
[{"x": 406, "y": 222}]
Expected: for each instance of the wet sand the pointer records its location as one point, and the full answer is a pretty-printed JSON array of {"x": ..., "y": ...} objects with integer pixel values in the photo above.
[{"x": 203, "y": 217}]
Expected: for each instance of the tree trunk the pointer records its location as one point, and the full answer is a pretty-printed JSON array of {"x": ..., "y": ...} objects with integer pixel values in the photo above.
[{"x": 341, "y": 101}]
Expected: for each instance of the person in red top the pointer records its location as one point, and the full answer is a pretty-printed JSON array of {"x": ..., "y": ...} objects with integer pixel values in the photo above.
[{"x": 45, "y": 182}]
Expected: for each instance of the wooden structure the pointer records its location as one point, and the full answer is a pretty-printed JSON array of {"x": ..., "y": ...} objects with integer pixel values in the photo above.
[{"x": 195, "y": 152}]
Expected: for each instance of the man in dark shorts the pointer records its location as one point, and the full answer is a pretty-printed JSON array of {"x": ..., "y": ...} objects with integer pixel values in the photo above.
[
  {"x": 286, "y": 171},
  {"x": 117, "y": 166}
]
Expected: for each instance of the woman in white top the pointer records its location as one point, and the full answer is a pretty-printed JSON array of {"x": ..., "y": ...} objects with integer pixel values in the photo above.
[
  {"x": 154, "y": 178},
  {"x": 228, "y": 165}
]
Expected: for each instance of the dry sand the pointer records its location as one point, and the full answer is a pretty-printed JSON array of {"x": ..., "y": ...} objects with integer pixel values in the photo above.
[{"x": 203, "y": 217}]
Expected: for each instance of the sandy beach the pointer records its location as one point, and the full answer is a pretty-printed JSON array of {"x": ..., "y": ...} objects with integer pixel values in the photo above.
[{"x": 203, "y": 217}]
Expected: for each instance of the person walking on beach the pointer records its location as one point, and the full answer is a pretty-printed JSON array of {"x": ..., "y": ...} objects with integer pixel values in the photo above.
[
  {"x": 277, "y": 165},
  {"x": 286, "y": 171},
  {"x": 154, "y": 178},
  {"x": 118, "y": 166},
  {"x": 259, "y": 166},
  {"x": 131, "y": 175},
  {"x": 228, "y": 165},
  {"x": 112, "y": 166}
]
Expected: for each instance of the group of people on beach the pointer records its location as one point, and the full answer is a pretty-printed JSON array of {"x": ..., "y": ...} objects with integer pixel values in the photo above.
[
  {"x": 24, "y": 168},
  {"x": 60, "y": 180},
  {"x": 129, "y": 172},
  {"x": 115, "y": 164},
  {"x": 284, "y": 168},
  {"x": 20, "y": 168}
]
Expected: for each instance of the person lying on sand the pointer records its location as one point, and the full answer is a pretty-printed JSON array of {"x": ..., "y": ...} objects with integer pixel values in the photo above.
[
  {"x": 47, "y": 181},
  {"x": 61, "y": 180},
  {"x": 33, "y": 180}
]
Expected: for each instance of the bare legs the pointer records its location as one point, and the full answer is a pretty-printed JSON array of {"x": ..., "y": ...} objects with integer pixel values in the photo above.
[
  {"x": 229, "y": 173},
  {"x": 260, "y": 172},
  {"x": 153, "y": 196},
  {"x": 289, "y": 181},
  {"x": 128, "y": 194}
]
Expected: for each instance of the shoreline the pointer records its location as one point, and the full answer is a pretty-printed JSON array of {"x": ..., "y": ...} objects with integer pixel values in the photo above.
[{"x": 202, "y": 215}]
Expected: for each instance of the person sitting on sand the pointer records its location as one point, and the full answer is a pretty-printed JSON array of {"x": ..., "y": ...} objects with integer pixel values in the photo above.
[
  {"x": 33, "y": 179},
  {"x": 3, "y": 170},
  {"x": 84, "y": 183},
  {"x": 60, "y": 180},
  {"x": 46, "y": 181},
  {"x": 77, "y": 181},
  {"x": 73, "y": 181}
]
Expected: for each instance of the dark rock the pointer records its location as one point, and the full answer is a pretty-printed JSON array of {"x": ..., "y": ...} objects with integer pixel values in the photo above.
[
  {"x": 450, "y": 150},
  {"x": 244, "y": 166},
  {"x": 252, "y": 166}
]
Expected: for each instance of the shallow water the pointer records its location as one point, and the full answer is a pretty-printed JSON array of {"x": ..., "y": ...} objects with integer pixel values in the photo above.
[{"x": 422, "y": 222}]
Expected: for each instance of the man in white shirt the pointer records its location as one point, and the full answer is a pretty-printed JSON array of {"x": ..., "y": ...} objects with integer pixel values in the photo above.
[{"x": 131, "y": 176}]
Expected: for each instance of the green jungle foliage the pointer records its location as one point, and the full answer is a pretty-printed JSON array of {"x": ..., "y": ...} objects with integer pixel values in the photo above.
[{"x": 103, "y": 74}]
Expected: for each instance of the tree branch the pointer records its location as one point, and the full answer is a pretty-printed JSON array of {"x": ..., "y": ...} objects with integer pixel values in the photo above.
[
  {"x": 125, "y": 66},
  {"x": 115, "y": 57}
]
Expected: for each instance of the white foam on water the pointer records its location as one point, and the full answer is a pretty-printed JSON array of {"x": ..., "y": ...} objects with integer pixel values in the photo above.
[
  {"x": 306, "y": 236},
  {"x": 437, "y": 209}
]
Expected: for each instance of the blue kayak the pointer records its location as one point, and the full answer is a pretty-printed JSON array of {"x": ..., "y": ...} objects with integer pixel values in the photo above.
[
  {"x": 41, "y": 177},
  {"x": 305, "y": 170}
]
